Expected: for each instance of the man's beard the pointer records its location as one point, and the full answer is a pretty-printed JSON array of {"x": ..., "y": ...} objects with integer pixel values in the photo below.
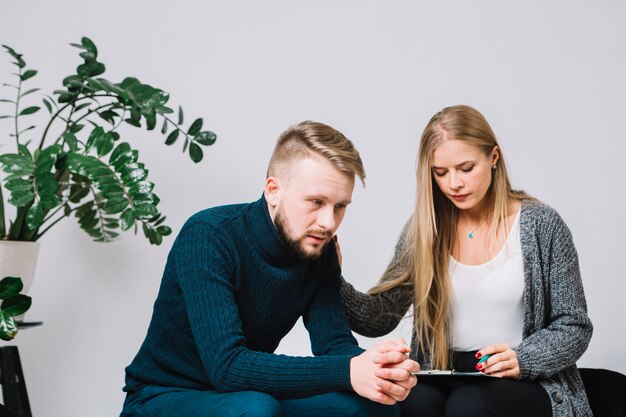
[{"x": 296, "y": 246}]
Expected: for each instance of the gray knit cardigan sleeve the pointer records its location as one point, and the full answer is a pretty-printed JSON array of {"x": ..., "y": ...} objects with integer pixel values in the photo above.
[{"x": 377, "y": 315}]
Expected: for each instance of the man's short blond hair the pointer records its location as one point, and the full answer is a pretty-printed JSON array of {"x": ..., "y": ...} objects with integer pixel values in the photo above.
[{"x": 308, "y": 137}]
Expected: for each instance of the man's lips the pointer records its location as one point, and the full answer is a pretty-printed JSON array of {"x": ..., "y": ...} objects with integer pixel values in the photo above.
[{"x": 318, "y": 239}]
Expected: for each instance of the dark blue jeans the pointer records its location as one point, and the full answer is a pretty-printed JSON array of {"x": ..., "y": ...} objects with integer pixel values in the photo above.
[{"x": 151, "y": 401}]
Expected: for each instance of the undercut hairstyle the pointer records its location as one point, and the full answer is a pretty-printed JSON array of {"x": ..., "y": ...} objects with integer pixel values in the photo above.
[{"x": 307, "y": 138}]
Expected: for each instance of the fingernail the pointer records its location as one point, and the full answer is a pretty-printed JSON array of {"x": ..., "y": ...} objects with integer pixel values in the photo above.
[
  {"x": 479, "y": 366},
  {"x": 478, "y": 355}
]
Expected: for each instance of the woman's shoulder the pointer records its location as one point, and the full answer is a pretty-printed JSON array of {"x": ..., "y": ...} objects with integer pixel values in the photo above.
[
  {"x": 541, "y": 218},
  {"x": 536, "y": 210}
]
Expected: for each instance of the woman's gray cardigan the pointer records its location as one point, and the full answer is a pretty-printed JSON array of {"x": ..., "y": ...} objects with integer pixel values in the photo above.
[{"x": 556, "y": 330}]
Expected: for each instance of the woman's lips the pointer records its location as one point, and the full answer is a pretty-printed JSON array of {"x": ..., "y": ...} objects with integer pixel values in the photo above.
[{"x": 460, "y": 197}]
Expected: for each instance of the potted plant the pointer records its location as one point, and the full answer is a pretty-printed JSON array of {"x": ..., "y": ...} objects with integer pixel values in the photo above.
[{"x": 77, "y": 164}]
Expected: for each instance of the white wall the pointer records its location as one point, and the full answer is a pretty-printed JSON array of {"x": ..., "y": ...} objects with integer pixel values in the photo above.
[{"x": 549, "y": 76}]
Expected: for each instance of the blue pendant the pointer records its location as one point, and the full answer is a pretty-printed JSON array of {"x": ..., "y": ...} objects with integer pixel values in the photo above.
[{"x": 471, "y": 235}]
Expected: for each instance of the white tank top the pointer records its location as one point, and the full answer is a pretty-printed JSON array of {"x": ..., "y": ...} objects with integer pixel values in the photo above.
[{"x": 487, "y": 299}]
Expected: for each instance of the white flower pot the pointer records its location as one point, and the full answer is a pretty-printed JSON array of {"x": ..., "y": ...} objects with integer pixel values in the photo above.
[{"x": 19, "y": 259}]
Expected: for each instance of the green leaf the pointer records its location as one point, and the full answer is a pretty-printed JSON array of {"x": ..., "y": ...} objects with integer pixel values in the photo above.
[
  {"x": 28, "y": 74},
  {"x": 89, "y": 45},
  {"x": 23, "y": 150},
  {"x": 19, "y": 184},
  {"x": 172, "y": 137},
  {"x": 14, "y": 162},
  {"x": 115, "y": 205},
  {"x": 132, "y": 122},
  {"x": 48, "y": 105},
  {"x": 81, "y": 106},
  {"x": 150, "y": 120},
  {"x": 205, "y": 138},
  {"x": 164, "y": 230},
  {"x": 34, "y": 217},
  {"x": 16, "y": 304},
  {"x": 90, "y": 68},
  {"x": 32, "y": 90},
  {"x": 105, "y": 144},
  {"x": 195, "y": 152},
  {"x": 146, "y": 210},
  {"x": 8, "y": 327},
  {"x": 180, "y": 115},
  {"x": 120, "y": 150},
  {"x": 195, "y": 127},
  {"x": 94, "y": 137},
  {"x": 127, "y": 219},
  {"x": 29, "y": 110},
  {"x": 21, "y": 198},
  {"x": 27, "y": 129},
  {"x": 10, "y": 286},
  {"x": 164, "y": 127},
  {"x": 71, "y": 141},
  {"x": 141, "y": 187},
  {"x": 7, "y": 101}
]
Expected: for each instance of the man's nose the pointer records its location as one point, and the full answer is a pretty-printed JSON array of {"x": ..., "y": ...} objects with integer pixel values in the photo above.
[{"x": 326, "y": 218}]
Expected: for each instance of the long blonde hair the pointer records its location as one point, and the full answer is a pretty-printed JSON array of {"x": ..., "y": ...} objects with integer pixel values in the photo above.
[{"x": 431, "y": 231}]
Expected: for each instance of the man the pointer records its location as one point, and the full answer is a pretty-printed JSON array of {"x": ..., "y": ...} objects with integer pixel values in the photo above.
[{"x": 238, "y": 278}]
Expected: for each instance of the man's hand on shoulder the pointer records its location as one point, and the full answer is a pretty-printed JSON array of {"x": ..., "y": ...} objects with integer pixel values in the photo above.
[{"x": 383, "y": 372}]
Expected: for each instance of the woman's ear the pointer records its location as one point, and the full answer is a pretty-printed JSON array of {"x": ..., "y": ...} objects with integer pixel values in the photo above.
[{"x": 495, "y": 156}]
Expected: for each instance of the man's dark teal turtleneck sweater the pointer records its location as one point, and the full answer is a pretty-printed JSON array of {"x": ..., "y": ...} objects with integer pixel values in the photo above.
[{"x": 230, "y": 292}]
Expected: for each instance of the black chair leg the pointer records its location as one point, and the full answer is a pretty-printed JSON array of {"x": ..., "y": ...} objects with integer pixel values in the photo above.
[{"x": 13, "y": 384}]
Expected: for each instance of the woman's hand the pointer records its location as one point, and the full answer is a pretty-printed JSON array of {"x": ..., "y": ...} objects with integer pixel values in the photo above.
[{"x": 503, "y": 362}]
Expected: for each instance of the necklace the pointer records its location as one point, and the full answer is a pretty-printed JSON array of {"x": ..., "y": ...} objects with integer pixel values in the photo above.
[{"x": 473, "y": 230}]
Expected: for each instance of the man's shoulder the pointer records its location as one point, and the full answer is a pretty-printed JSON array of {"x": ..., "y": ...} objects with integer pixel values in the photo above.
[{"x": 217, "y": 216}]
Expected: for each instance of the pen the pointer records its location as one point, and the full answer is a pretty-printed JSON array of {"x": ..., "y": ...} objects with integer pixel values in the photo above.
[{"x": 484, "y": 358}]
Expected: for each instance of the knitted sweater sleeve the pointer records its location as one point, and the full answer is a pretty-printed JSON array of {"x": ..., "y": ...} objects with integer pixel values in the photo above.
[
  {"x": 205, "y": 270},
  {"x": 376, "y": 315},
  {"x": 561, "y": 327},
  {"x": 325, "y": 318}
]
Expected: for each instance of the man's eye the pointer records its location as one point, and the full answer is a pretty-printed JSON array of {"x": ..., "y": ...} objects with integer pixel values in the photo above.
[
  {"x": 317, "y": 202},
  {"x": 340, "y": 206}
]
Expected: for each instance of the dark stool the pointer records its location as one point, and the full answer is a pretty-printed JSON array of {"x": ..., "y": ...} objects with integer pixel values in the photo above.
[
  {"x": 13, "y": 384},
  {"x": 606, "y": 391}
]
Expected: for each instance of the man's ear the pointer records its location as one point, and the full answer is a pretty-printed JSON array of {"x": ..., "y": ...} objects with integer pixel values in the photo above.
[{"x": 272, "y": 192}]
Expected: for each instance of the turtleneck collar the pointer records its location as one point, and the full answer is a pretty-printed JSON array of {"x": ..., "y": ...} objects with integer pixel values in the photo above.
[{"x": 263, "y": 232}]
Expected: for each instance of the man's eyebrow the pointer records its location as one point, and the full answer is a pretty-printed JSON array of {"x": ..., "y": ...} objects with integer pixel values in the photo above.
[{"x": 321, "y": 197}]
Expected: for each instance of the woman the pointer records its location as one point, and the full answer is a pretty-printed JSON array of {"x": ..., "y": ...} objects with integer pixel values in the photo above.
[{"x": 488, "y": 271}]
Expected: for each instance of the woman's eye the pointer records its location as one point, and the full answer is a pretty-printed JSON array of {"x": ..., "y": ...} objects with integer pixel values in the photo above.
[
  {"x": 468, "y": 169},
  {"x": 439, "y": 174}
]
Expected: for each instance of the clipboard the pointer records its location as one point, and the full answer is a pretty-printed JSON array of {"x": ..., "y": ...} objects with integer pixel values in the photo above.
[{"x": 435, "y": 374}]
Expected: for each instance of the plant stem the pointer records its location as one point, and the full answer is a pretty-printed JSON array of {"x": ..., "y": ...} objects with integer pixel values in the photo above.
[
  {"x": 82, "y": 117},
  {"x": 17, "y": 109},
  {"x": 45, "y": 132},
  {"x": 2, "y": 223},
  {"x": 40, "y": 234}
]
